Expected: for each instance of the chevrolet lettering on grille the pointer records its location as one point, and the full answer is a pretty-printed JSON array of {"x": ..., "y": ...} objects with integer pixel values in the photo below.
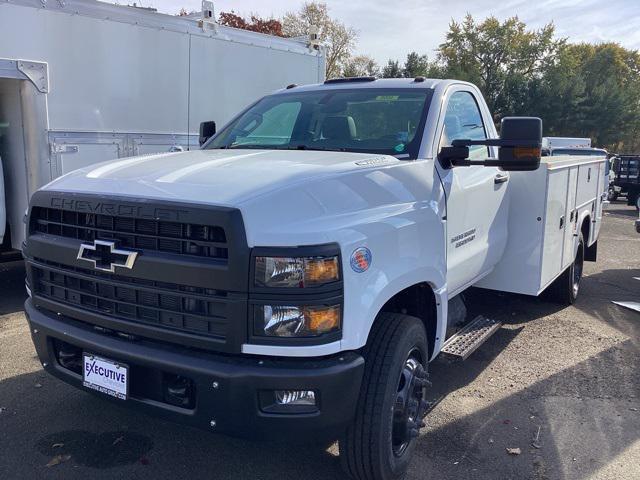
[{"x": 105, "y": 256}]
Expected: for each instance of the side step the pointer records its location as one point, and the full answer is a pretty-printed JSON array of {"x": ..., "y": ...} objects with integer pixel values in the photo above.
[{"x": 467, "y": 340}]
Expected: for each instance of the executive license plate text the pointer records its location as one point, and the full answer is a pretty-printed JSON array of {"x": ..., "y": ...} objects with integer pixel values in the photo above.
[{"x": 105, "y": 376}]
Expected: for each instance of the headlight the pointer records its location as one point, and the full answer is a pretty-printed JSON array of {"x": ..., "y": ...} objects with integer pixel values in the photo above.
[
  {"x": 296, "y": 272},
  {"x": 296, "y": 321}
]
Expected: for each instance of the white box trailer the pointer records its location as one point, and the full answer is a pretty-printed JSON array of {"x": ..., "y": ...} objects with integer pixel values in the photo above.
[{"x": 84, "y": 81}]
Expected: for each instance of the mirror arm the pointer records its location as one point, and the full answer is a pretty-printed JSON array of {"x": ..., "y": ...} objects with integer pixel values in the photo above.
[
  {"x": 489, "y": 162},
  {"x": 496, "y": 142}
]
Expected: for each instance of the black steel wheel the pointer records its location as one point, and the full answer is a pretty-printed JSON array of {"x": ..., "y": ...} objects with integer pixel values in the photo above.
[{"x": 407, "y": 415}]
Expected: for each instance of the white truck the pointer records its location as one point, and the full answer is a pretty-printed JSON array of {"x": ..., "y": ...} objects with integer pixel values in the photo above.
[
  {"x": 83, "y": 81},
  {"x": 293, "y": 278}
]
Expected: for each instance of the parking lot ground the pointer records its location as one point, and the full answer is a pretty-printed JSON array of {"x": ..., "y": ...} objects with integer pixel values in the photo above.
[{"x": 560, "y": 385}]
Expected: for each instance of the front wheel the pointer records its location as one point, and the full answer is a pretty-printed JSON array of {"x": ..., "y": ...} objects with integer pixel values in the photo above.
[{"x": 379, "y": 443}]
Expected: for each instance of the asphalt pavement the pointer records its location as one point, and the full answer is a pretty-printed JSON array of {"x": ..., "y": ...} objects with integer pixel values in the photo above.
[{"x": 559, "y": 387}]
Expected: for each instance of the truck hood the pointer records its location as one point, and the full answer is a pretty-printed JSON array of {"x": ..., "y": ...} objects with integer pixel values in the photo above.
[{"x": 218, "y": 177}]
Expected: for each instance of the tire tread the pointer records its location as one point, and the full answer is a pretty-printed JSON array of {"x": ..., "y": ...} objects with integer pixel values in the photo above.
[{"x": 357, "y": 450}]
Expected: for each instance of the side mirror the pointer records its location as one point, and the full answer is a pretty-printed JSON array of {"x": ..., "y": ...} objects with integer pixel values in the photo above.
[
  {"x": 207, "y": 130},
  {"x": 519, "y": 145},
  {"x": 521, "y": 139}
]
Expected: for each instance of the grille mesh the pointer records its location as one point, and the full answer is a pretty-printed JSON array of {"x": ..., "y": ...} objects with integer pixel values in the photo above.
[
  {"x": 193, "y": 309},
  {"x": 144, "y": 234}
]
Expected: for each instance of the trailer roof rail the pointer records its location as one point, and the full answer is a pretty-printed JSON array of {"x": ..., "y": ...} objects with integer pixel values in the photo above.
[{"x": 350, "y": 80}]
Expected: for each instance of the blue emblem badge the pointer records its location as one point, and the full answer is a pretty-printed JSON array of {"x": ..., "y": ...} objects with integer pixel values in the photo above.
[{"x": 360, "y": 259}]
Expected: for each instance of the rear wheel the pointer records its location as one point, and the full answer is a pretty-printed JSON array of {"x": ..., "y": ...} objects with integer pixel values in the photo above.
[
  {"x": 565, "y": 288},
  {"x": 380, "y": 442}
]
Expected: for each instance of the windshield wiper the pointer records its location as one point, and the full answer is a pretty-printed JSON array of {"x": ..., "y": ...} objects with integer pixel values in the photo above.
[
  {"x": 247, "y": 146},
  {"x": 277, "y": 147},
  {"x": 319, "y": 149}
]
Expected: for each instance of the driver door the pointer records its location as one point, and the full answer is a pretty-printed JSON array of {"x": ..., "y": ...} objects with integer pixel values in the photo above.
[{"x": 476, "y": 215}]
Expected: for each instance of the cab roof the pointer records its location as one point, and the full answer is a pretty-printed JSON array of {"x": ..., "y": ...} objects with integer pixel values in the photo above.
[{"x": 368, "y": 82}]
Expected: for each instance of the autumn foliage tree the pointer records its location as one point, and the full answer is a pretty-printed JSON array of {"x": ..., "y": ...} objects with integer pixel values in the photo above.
[
  {"x": 338, "y": 39},
  {"x": 360, "y": 66},
  {"x": 270, "y": 26},
  {"x": 579, "y": 90}
]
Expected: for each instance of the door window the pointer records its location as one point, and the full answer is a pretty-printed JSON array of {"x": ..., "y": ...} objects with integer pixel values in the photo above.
[{"x": 463, "y": 120}]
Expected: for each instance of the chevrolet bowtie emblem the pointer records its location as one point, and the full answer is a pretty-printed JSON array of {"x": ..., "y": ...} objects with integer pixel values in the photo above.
[{"x": 105, "y": 256}]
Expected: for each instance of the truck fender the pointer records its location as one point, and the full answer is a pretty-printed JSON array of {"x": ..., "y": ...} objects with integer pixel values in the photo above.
[
  {"x": 583, "y": 225},
  {"x": 435, "y": 323}
]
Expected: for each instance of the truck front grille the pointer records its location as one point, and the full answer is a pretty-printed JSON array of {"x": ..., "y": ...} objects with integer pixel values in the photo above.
[
  {"x": 180, "y": 307},
  {"x": 187, "y": 286},
  {"x": 139, "y": 233}
]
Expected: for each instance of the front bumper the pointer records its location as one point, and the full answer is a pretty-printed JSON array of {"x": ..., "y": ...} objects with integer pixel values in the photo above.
[{"x": 235, "y": 406}]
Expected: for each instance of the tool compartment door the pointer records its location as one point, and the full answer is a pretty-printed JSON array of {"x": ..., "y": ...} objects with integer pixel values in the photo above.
[
  {"x": 555, "y": 224},
  {"x": 603, "y": 186},
  {"x": 570, "y": 214}
]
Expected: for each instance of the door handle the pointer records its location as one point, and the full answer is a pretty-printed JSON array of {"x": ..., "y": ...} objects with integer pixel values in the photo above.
[{"x": 500, "y": 178}]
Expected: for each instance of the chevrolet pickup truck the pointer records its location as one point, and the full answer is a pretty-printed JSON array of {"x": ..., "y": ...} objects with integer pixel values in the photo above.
[{"x": 294, "y": 277}]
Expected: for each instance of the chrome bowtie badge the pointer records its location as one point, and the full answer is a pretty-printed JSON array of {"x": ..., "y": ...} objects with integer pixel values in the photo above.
[{"x": 105, "y": 256}]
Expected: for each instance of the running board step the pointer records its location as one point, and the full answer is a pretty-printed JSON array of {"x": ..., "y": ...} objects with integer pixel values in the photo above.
[{"x": 467, "y": 340}]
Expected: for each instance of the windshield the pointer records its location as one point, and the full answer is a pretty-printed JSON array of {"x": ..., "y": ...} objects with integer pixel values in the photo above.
[{"x": 371, "y": 120}]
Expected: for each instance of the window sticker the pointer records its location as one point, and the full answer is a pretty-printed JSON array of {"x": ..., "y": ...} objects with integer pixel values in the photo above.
[
  {"x": 387, "y": 98},
  {"x": 399, "y": 148}
]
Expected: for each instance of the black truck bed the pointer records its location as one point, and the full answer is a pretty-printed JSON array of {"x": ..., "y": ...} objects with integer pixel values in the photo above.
[{"x": 628, "y": 171}]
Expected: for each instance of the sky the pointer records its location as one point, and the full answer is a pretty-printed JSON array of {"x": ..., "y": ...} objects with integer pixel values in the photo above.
[{"x": 389, "y": 29}]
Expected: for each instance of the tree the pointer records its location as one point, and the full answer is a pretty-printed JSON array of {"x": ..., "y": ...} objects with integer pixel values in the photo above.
[
  {"x": 339, "y": 39},
  {"x": 415, "y": 66},
  {"x": 361, "y": 66},
  {"x": 392, "y": 70},
  {"x": 593, "y": 91},
  {"x": 501, "y": 58},
  {"x": 269, "y": 26}
]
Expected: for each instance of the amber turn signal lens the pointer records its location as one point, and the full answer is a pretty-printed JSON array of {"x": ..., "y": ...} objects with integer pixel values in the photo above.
[
  {"x": 526, "y": 152},
  {"x": 323, "y": 319},
  {"x": 321, "y": 270}
]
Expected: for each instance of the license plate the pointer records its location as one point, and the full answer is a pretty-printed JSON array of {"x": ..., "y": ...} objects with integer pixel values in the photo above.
[{"x": 106, "y": 376}]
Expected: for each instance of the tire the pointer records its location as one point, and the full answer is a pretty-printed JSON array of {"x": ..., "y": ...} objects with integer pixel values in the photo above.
[
  {"x": 565, "y": 288},
  {"x": 379, "y": 443},
  {"x": 612, "y": 196}
]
